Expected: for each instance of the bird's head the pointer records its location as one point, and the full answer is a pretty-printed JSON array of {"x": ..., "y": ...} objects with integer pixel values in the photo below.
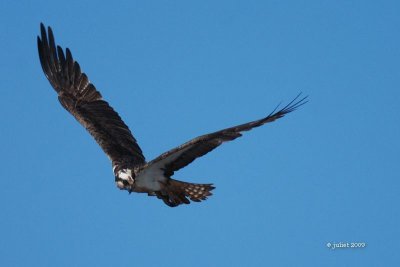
[{"x": 125, "y": 179}]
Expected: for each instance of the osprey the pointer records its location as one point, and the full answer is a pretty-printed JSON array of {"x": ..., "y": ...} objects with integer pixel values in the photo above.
[{"x": 132, "y": 172}]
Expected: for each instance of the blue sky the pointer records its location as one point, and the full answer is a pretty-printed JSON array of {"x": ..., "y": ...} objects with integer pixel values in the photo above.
[{"x": 174, "y": 70}]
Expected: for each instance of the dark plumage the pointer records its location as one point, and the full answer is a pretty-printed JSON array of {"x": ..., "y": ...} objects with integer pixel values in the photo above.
[
  {"x": 79, "y": 96},
  {"x": 132, "y": 173}
]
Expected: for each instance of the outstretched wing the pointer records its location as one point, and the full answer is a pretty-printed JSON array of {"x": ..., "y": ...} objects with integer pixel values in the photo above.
[
  {"x": 79, "y": 96},
  {"x": 183, "y": 155}
]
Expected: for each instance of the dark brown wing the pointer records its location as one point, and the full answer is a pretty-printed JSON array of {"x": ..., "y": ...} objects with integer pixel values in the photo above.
[
  {"x": 183, "y": 155},
  {"x": 85, "y": 103}
]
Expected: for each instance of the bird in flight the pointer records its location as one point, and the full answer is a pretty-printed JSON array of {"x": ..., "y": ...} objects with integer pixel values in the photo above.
[{"x": 132, "y": 172}]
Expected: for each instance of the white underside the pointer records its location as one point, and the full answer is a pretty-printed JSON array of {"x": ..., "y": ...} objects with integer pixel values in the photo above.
[
  {"x": 153, "y": 177},
  {"x": 150, "y": 178}
]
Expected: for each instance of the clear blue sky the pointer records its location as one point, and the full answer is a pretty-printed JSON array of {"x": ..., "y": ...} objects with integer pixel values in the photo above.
[{"x": 174, "y": 70}]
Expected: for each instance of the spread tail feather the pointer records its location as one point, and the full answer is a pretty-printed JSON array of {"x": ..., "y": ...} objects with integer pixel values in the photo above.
[{"x": 175, "y": 192}]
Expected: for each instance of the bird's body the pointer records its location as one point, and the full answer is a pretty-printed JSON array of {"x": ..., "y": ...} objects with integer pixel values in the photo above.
[{"x": 132, "y": 172}]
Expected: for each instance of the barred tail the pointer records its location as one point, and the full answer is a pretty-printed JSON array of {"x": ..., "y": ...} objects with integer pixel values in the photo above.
[{"x": 176, "y": 192}]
